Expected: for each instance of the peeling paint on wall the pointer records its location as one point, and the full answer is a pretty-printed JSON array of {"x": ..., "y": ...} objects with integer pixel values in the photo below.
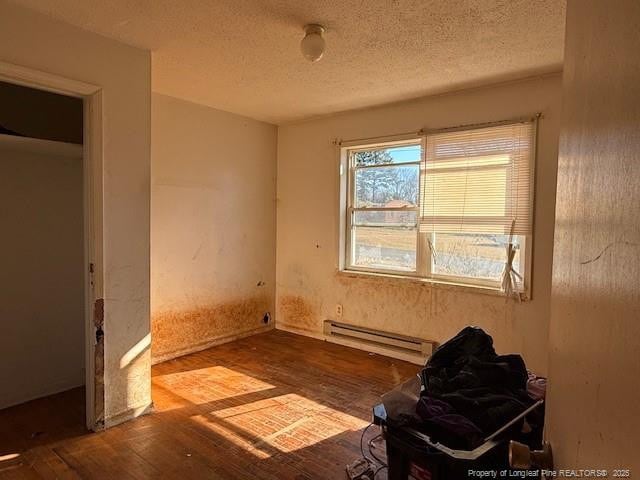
[
  {"x": 177, "y": 332},
  {"x": 98, "y": 323}
]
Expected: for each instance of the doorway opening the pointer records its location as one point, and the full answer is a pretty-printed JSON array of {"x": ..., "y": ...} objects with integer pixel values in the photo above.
[{"x": 43, "y": 292}]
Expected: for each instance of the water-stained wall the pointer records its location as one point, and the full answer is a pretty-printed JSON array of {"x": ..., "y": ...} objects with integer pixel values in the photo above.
[
  {"x": 308, "y": 284},
  {"x": 213, "y": 226}
]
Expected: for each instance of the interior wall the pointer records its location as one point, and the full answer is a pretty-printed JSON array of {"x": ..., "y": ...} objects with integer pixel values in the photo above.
[
  {"x": 41, "y": 286},
  {"x": 593, "y": 399},
  {"x": 123, "y": 73},
  {"x": 213, "y": 226},
  {"x": 308, "y": 284}
]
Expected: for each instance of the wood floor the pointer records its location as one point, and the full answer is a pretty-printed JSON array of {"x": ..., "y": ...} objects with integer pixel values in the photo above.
[{"x": 273, "y": 406}]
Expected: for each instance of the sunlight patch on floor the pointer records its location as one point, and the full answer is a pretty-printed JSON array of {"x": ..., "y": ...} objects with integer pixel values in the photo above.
[
  {"x": 286, "y": 423},
  {"x": 210, "y": 384}
]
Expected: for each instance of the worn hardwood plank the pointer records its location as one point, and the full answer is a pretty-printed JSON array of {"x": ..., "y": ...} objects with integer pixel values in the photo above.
[{"x": 274, "y": 406}]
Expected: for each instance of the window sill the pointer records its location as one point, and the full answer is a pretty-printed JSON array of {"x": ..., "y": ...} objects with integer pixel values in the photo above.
[{"x": 442, "y": 284}]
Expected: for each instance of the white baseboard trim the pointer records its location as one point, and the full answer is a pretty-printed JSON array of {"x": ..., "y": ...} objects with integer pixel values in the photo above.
[
  {"x": 387, "y": 352},
  {"x": 208, "y": 344},
  {"x": 379, "y": 350}
]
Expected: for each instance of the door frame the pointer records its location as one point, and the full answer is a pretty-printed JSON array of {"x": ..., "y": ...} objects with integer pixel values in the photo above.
[{"x": 92, "y": 189}]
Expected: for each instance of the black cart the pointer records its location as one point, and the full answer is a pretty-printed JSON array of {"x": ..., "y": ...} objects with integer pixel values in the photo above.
[{"x": 413, "y": 455}]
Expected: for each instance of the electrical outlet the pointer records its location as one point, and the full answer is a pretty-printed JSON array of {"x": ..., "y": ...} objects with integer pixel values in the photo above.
[{"x": 339, "y": 310}]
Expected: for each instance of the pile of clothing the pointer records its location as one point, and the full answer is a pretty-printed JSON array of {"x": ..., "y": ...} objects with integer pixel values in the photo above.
[{"x": 468, "y": 391}]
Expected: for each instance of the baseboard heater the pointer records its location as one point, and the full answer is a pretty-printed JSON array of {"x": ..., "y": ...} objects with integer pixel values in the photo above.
[{"x": 411, "y": 349}]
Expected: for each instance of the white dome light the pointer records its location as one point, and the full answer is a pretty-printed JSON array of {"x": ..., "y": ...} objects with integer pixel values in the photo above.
[{"x": 312, "y": 45}]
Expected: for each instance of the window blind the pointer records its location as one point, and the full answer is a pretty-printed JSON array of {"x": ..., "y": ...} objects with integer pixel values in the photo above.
[{"x": 479, "y": 180}]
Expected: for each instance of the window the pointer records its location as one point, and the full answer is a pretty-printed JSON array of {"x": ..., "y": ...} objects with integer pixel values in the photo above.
[
  {"x": 384, "y": 210},
  {"x": 454, "y": 205}
]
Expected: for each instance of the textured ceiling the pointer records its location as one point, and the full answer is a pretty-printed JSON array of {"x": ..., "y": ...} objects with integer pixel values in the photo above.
[{"x": 243, "y": 55}]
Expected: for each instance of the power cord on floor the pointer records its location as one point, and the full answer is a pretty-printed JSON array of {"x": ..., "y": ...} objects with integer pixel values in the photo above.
[
  {"x": 370, "y": 465},
  {"x": 362, "y": 443},
  {"x": 376, "y": 458},
  {"x": 383, "y": 467}
]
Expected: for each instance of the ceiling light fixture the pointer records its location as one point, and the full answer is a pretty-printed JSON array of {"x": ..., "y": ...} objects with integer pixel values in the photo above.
[{"x": 312, "y": 45}]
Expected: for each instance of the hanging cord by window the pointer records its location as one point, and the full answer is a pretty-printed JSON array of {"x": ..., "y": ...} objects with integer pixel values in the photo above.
[
  {"x": 509, "y": 276},
  {"x": 434, "y": 252}
]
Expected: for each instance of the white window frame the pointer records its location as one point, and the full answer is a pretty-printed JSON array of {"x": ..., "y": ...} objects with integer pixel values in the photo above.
[
  {"x": 349, "y": 208},
  {"x": 424, "y": 240}
]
